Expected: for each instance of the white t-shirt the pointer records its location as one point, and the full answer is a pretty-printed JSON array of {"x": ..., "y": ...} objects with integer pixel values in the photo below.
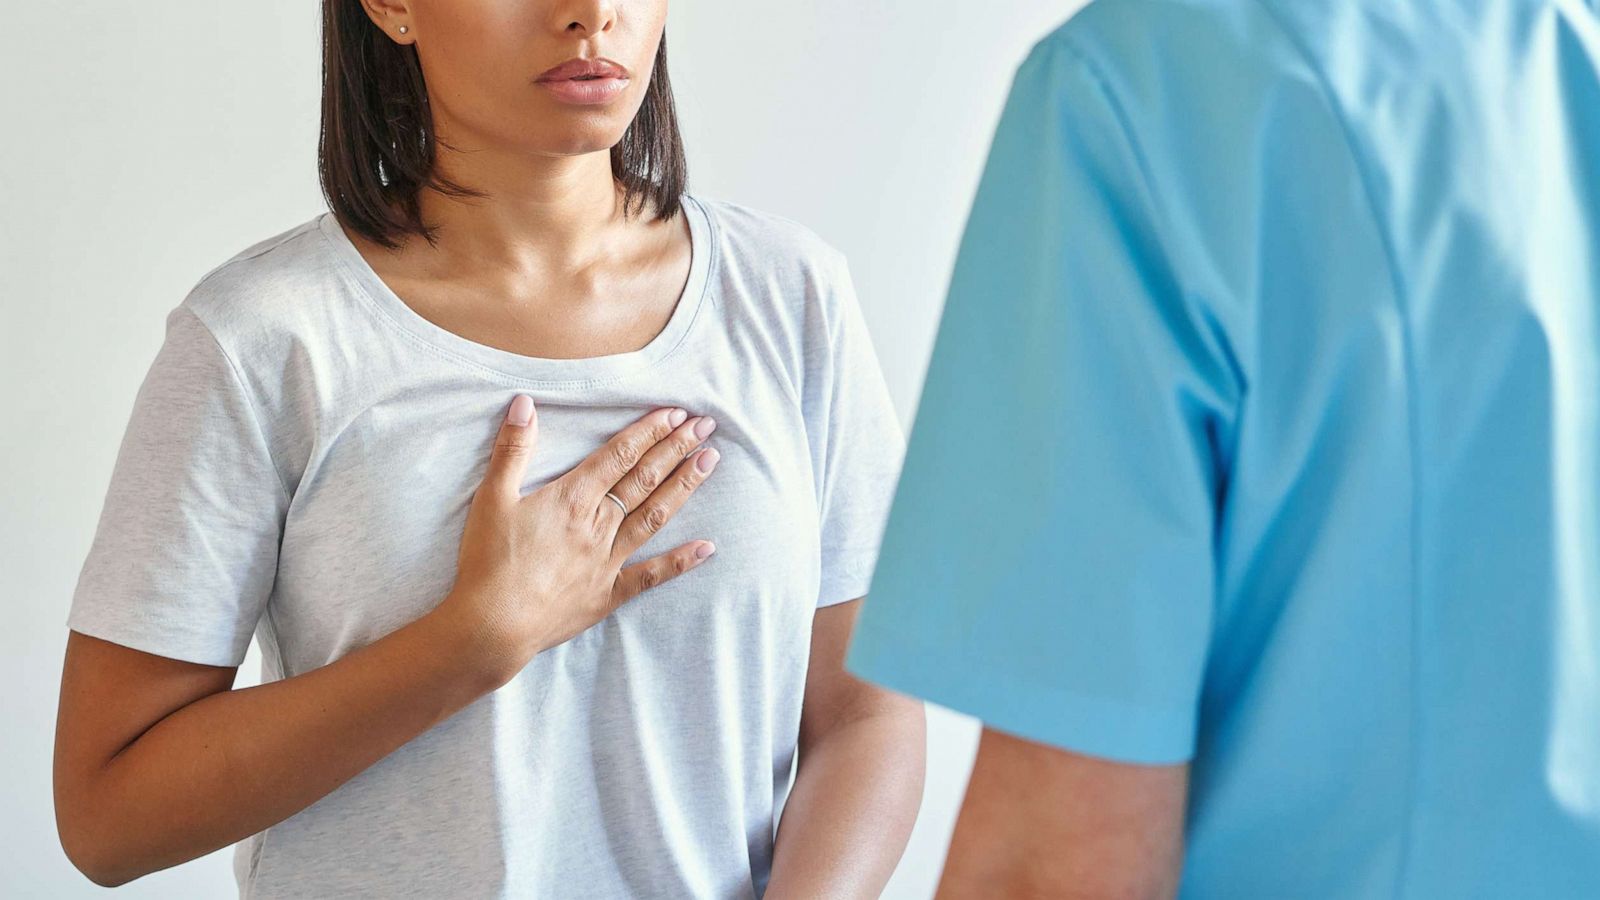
[{"x": 298, "y": 466}]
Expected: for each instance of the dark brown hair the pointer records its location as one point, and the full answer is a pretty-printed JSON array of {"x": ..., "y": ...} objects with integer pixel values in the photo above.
[{"x": 377, "y": 147}]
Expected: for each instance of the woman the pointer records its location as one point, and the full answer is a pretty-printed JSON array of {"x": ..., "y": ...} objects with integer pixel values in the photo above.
[{"x": 429, "y": 446}]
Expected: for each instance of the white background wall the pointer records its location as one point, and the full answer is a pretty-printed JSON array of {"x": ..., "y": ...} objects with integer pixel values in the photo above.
[{"x": 142, "y": 143}]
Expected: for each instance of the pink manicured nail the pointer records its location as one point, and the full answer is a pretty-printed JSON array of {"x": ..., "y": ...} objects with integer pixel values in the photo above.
[
  {"x": 705, "y": 426},
  {"x": 707, "y": 460},
  {"x": 676, "y": 417},
  {"x": 521, "y": 411},
  {"x": 705, "y": 549}
]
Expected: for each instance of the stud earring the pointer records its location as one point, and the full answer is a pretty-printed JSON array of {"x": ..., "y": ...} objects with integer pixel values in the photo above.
[{"x": 404, "y": 29}]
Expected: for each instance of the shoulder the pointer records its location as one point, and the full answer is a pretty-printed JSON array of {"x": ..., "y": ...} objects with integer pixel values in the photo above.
[
  {"x": 1201, "y": 100},
  {"x": 1214, "y": 121},
  {"x": 1224, "y": 55},
  {"x": 779, "y": 278},
  {"x": 258, "y": 297},
  {"x": 1165, "y": 25},
  {"x": 750, "y": 240},
  {"x": 273, "y": 308}
]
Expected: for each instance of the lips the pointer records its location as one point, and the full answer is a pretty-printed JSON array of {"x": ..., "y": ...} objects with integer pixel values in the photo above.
[
  {"x": 584, "y": 82},
  {"x": 578, "y": 69}
]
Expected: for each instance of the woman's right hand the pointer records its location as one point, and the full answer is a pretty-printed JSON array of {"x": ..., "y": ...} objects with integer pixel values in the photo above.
[{"x": 533, "y": 570}]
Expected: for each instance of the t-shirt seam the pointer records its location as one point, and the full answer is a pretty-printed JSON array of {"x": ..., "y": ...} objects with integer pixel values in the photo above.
[
  {"x": 371, "y": 303},
  {"x": 249, "y": 402},
  {"x": 1066, "y": 42},
  {"x": 246, "y": 255},
  {"x": 1228, "y": 332},
  {"x": 786, "y": 380},
  {"x": 1091, "y": 71},
  {"x": 822, "y": 482},
  {"x": 1397, "y": 288}
]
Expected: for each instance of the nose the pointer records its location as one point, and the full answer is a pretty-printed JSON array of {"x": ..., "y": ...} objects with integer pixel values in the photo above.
[{"x": 585, "y": 19}]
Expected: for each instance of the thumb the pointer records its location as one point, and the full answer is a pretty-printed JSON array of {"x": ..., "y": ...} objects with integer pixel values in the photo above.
[{"x": 513, "y": 447}]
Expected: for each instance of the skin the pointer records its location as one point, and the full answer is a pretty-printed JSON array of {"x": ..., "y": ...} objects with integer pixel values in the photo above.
[
  {"x": 159, "y": 761},
  {"x": 1039, "y": 821},
  {"x": 859, "y": 781}
]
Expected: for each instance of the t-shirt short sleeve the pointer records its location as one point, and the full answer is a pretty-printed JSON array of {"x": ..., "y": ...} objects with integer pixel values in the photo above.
[
  {"x": 856, "y": 441},
  {"x": 1048, "y": 563},
  {"x": 185, "y": 552}
]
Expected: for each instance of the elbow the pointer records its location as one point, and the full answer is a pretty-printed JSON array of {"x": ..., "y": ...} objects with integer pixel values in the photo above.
[
  {"x": 92, "y": 849},
  {"x": 106, "y": 878},
  {"x": 898, "y": 721},
  {"x": 96, "y": 865}
]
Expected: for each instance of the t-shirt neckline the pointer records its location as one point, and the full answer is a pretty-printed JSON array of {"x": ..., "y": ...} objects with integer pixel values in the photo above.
[{"x": 545, "y": 371}]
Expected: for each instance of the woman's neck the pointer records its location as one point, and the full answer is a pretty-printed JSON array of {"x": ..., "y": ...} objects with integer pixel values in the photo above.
[{"x": 544, "y": 215}]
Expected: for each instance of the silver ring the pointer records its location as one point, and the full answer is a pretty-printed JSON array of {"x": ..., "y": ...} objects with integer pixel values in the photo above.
[{"x": 618, "y": 501}]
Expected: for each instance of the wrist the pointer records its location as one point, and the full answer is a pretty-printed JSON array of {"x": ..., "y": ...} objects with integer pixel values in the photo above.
[{"x": 472, "y": 646}]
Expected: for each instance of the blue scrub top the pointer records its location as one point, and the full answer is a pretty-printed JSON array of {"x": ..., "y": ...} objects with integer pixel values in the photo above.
[{"x": 1262, "y": 431}]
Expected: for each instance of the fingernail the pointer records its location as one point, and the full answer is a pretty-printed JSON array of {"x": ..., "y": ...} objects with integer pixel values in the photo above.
[
  {"x": 705, "y": 426},
  {"x": 521, "y": 411},
  {"x": 676, "y": 417},
  {"x": 705, "y": 549},
  {"x": 708, "y": 460}
]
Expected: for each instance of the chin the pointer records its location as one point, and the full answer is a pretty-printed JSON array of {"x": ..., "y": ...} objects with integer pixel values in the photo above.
[
  {"x": 581, "y": 134},
  {"x": 577, "y": 146}
]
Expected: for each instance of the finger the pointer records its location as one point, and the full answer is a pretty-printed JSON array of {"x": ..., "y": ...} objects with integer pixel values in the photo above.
[
  {"x": 513, "y": 447},
  {"x": 597, "y": 472},
  {"x": 663, "y": 502},
  {"x": 642, "y": 576},
  {"x": 659, "y": 461}
]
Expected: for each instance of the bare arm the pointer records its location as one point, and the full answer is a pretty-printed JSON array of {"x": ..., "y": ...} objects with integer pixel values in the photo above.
[
  {"x": 218, "y": 764},
  {"x": 159, "y": 761},
  {"x": 859, "y": 783},
  {"x": 1044, "y": 822}
]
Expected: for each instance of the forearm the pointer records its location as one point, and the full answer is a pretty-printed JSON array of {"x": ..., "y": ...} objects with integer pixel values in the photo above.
[
  {"x": 852, "y": 807},
  {"x": 233, "y": 763}
]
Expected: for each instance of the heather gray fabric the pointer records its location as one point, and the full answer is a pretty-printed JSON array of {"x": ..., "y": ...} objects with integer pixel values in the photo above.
[{"x": 298, "y": 466}]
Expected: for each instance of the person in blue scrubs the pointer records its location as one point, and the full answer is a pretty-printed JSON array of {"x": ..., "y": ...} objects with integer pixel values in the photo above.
[{"x": 1253, "y": 498}]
